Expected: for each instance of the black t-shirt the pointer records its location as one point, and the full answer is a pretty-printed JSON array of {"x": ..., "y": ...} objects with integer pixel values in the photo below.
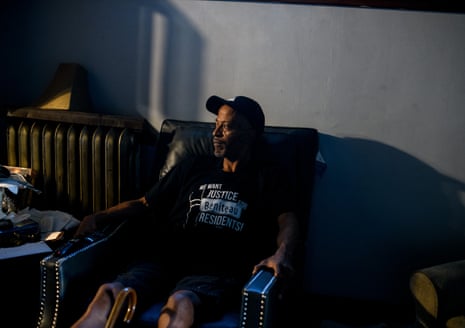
[{"x": 217, "y": 222}]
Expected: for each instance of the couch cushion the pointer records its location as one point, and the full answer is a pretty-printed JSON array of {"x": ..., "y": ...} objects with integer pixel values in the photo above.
[{"x": 187, "y": 141}]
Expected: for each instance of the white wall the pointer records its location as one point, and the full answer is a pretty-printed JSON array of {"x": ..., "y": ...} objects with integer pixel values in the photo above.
[{"x": 386, "y": 89}]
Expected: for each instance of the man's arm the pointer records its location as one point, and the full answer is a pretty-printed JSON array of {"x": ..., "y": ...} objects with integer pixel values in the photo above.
[
  {"x": 131, "y": 208},
  {"x": 287, "y": 240}
]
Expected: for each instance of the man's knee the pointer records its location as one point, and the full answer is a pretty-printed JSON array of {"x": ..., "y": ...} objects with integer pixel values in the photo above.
[
  {"x": 181, "y": 301},
  {"x": 179, "y": 309},
  {"x": 107, "y": 293},
  {"x": 185, "y": 295},
  {"x": 115, "y": 287}
]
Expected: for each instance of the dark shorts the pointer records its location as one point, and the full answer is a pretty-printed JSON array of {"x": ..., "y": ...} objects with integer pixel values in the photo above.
[{"x": 154, "y": 283}]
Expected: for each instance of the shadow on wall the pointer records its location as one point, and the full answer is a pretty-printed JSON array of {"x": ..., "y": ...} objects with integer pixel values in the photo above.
[
  {"x": 169, "y": 60},
  {"x": 138, "y": 55},
  {"x": 378, "y": 214}
]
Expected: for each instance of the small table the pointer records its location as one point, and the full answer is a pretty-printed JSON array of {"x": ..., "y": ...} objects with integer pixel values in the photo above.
[{"x": 20, "y": 278}]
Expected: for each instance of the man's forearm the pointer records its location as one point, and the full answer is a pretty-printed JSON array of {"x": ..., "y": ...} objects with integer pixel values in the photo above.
[
  {"x": 121, "y": 211},
  {"x": 288, "y": 235}
]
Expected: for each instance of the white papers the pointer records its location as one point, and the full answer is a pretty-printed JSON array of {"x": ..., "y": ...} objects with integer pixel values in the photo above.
[
  {"x": 15, "y": 182},
  {"x": 25, "y": 249}
]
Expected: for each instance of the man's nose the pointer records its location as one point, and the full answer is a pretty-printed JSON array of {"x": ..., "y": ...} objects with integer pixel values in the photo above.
[{"x": 218, "y": 131}]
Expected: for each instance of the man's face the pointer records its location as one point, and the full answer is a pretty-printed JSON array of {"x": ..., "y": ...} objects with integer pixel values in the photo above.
[{"x": 233, "y": 134}]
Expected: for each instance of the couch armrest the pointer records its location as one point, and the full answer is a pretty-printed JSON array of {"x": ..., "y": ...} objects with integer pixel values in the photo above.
[
  {"x": 439, "y": 293},
  {"x": 260, "y": 300},
  {"x": 71, "y": 274}
]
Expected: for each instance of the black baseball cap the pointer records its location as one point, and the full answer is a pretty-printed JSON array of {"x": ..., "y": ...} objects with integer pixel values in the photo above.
[{"x": 244, "y": 105}]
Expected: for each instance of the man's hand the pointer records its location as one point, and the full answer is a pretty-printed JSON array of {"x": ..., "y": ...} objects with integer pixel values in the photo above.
[
  {"x": 280, "y": 265},
  {"x": 131, "y": 208},
  {"x": 87, "y": 226}
]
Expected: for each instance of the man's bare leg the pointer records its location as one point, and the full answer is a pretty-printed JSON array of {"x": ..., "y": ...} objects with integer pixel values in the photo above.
[
  {"x": 178, "y": 311},
  {"x": 98, "y": 310}
]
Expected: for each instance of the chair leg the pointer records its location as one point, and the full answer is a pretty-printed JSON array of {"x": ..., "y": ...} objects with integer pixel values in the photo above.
[{"x": 126, "y": 293}]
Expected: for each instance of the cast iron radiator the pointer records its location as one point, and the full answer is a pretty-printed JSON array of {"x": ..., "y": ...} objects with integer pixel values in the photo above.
[{"x": 82, "y": 162}]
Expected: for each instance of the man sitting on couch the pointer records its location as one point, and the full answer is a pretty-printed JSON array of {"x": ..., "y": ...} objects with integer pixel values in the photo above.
[{"x": 218, "y": 220}]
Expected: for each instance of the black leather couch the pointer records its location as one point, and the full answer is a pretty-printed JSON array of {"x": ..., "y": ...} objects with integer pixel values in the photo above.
[{"x": 71, "y": 275}]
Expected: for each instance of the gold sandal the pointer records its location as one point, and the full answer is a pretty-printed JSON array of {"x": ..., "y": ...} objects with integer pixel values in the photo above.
[{"x": 125, "y": 293}]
